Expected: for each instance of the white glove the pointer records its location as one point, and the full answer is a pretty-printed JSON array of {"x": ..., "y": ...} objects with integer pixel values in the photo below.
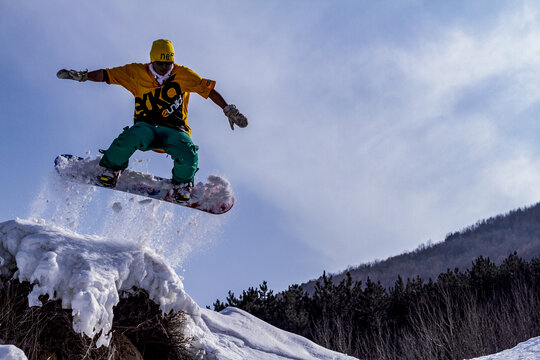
[
  {"x": 235, "y": 117},
  {"x": 72, "y": 75}
]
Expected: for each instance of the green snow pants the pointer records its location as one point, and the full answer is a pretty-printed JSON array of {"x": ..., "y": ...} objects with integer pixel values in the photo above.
[{"x": 144, "y": 136}]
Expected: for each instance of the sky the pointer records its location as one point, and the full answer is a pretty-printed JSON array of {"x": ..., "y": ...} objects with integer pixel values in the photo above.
[{"x": 374, "y": 126}]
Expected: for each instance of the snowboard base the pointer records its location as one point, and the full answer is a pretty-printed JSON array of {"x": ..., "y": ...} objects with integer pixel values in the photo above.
[{"x": 214, "y": 197}]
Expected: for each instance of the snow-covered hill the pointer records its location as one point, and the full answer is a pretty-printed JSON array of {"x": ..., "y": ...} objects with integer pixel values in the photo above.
[
  {"x": 527, "y": 350},
  {"x": 88, "y": 272},
  {"x": 10, "y": 352}
]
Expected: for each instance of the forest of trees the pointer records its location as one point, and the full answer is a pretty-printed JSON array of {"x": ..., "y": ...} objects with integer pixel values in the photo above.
[{"x": 457, "y": 315}]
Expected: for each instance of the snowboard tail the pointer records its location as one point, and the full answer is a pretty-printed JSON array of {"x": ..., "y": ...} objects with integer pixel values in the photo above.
[{"x": 214, "y": 197}]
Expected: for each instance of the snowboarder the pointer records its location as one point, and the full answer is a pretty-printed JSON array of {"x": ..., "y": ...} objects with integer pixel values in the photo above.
[{"x": 161, "y": 89}]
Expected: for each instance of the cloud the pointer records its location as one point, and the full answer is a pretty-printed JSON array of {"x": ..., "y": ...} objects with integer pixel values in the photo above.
[{"x": 371, "y": 152}]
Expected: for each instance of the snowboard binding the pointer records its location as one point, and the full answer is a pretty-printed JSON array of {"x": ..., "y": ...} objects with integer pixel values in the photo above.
[{"x": 109, "y": 177}]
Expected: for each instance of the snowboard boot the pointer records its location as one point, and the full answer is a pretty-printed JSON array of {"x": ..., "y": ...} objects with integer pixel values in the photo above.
[
  {"x": 182, "y": 192},
  {"x": 109, "y": 177}
]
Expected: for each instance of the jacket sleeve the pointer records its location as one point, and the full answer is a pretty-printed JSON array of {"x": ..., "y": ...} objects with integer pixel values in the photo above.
[
  {"x": 125, "y": 76},
  {"x": 192, "y": 82}
]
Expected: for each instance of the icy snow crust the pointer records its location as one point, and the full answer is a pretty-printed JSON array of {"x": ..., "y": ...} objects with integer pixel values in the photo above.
[
  {"x": 12, "y": 353},
  {"x": 247, "y": 337},
  {"x": 527, "y": 350},
  {"x": 87, "y": 273}
]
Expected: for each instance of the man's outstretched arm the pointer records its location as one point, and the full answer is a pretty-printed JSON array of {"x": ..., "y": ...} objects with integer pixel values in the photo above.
[
  {"x": 83, "y": 75},
  {"x": 217, "y": 98},
  {"x": 97, "y": 75}
]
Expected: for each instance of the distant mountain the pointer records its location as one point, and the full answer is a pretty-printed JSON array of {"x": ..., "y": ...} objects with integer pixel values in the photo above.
[{"x": 496, "y": 238}]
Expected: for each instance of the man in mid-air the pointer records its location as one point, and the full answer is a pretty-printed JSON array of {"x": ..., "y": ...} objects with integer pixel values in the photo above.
[{"x": 161, "y": 89}]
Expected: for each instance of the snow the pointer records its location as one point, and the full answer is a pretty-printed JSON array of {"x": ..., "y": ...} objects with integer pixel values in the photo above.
[
  {"x": 87, "y": 273},
  {"x": 251, "y": 338},
  {"x": 10, "y": 352},
  {"x": 527, "y": 350}
]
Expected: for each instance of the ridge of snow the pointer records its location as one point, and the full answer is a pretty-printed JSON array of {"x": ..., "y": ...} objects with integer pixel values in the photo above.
[
  {"x": 87, "y": 273},
  {"x": 251, "y": 338},
  {"x": 526, "y": 350},
  {"x": 11, "y": 352}
]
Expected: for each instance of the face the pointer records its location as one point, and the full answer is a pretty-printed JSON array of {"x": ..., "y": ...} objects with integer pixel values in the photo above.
[{"x": 161, "y": 67}]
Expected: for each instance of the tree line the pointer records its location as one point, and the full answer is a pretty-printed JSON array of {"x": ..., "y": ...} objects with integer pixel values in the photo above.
[
  {"x": 496, "y": 237},
  {"x": 460, "y": 314}
]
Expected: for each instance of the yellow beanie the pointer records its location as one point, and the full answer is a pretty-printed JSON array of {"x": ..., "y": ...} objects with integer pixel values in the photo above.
[{"x": 162, "y": 50}]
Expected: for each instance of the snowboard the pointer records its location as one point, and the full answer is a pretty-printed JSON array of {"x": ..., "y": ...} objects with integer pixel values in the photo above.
[{"x": 214, "y": 197}]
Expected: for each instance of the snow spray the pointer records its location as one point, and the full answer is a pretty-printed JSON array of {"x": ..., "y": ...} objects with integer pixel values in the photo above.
[{"x": 172, "y": 231}]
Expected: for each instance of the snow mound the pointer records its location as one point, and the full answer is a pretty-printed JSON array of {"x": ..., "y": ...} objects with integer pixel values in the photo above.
[
  {"x": 87, "y": 273},
  {"x": 10, "y": 352},
  {"x": 247, "y": 337},
  {"x": 526, "y": 350}
]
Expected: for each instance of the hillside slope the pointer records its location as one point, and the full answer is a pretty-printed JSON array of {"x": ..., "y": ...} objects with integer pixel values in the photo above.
[
  {"x": 527, "y": 350},
  {"x": 494, "y": 238}
]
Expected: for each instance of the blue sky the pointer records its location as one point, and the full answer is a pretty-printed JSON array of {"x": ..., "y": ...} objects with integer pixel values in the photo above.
[{"x": 374, "y": 126}]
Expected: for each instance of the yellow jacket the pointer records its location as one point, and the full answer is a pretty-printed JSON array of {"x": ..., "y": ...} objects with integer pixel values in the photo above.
[{"x": 160, "y": 104}]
